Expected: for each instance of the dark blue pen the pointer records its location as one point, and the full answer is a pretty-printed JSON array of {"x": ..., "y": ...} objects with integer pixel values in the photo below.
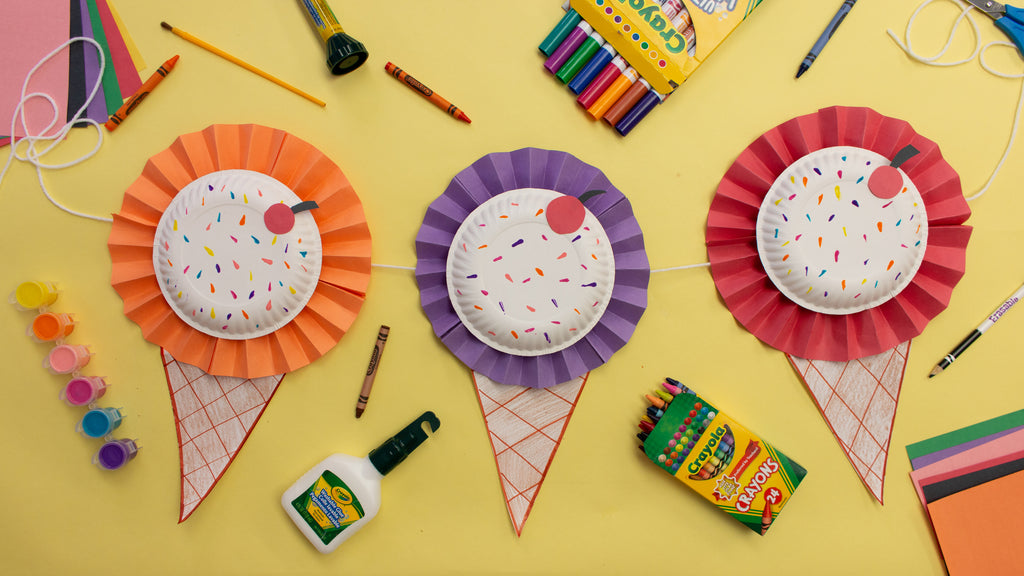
[{"x": 825, "y": 36}]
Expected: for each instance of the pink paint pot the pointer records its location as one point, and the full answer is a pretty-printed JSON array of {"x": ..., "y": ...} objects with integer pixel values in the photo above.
[
  {"x": 67, "y": 358},
  {"x": 50, "y": 326},
  {"x": 83, "y": 390},
  {"x": 115, "y": 454},
  {"x": 33, "y": 295}
]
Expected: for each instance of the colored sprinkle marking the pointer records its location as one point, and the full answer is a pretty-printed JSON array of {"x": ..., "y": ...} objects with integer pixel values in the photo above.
[
  {"x": 267, "y": 261},
  {"x": 212, "y": 289},
  {"x": 242, "y": 221},
  {"x": 509, "y": 278},
  {"x": 255, "y": 239},
  {"x": 517, "y": 242},
  {"x": 818, "y": 172},
  {"x": 879, "y": 226},
  {"x": 208, "y": 251},
  {"x": 496, "y": 259},
  {"x": 218, "y": 268},
  {"x": 538, "y": 271},
  {"x": 560, "y": 256}
]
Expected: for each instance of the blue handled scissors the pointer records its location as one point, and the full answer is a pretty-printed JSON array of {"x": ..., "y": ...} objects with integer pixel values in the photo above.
[{"x": 1009, "y": 19}]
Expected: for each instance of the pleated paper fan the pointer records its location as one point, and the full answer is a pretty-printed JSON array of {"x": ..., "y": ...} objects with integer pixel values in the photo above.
[
  {"x": 344, "y": 250},
  {"x": 755, "y": 300},
  {"x": 494, "y": 175}
]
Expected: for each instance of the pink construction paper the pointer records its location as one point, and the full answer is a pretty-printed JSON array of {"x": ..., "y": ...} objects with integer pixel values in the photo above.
[
  {"x": 127, "y": 76},
  {"x": 998, "y": 451},
  {"x": 29, "y": 31}
]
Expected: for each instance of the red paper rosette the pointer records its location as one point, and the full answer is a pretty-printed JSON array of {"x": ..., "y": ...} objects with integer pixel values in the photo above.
[{"x": 779, "y": 322}]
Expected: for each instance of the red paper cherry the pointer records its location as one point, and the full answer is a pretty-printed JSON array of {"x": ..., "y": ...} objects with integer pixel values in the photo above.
[
  {"x": 565, "y": 214},
  {"x": 279, "y": 219},
  {"x": 885, "y": 182}
]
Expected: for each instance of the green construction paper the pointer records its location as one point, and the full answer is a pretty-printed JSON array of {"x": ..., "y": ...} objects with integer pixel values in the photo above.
[
  {"x": 967, "y": 434},
  {"x": 111, "y": 89}
]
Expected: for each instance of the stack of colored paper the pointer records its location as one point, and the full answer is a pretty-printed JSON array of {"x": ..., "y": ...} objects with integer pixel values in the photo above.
[
  {"x": 31, "y": 30},
  {"x": 970, "y": 481}
]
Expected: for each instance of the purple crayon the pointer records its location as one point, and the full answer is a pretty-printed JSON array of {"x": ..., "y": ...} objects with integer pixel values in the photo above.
[{"x": 568, "y": 47}]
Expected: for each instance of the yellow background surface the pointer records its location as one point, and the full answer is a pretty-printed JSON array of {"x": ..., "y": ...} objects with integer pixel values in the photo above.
[{"x": 604, "y": 507}]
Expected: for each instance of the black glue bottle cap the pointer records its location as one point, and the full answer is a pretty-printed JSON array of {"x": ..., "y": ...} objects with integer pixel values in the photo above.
[
  {"x": 345, "y": 53},
  {"x": 392, "y": 452}
]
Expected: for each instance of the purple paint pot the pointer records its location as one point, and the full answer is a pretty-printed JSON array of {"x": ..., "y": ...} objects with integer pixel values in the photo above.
[
  {"x": 82, "y": 390},
  {"x": 115, "y": 454}
]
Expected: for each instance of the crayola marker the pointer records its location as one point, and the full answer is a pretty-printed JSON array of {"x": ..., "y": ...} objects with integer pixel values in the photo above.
[
  {"x": 592, "y": 68},
  {"x": 560, "y": 31},
  {"x": 601, "y": 82},
  {"x": 610, "y": 96},
  {"x": 584, "y": 53},
  {"x": 568, "y": 46}
]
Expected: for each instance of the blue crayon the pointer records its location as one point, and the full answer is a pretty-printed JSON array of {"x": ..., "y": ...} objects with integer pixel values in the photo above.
[
  {"x": 592, "y": 68},
  {"x": 639, "y": 111}
]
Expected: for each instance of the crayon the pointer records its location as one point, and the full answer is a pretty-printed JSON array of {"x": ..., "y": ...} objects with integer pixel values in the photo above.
[
  {"x": 568, "y": 46},
  {"x": 559, "y": 32},
  {"x": 646, "y": 426},
  {"x": 129, "y": 105},
  {"x": 679, "y": 385},
  {"x": 627, "y": 101},
  {"x": 592, "y": 68},
  {"x": 581, "y": 56},
  {"x": 658, "y": 402},
  {"x": 610, "y": 96},
  {"x": 601, "y": 82},
  {"x": 371, "y": 369},
  {"x": 766, "y": 516},
  {"x": 427, "y": 93}
]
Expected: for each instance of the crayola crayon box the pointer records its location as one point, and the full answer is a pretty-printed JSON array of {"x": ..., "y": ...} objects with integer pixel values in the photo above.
[{"x": 730, "y": 466}]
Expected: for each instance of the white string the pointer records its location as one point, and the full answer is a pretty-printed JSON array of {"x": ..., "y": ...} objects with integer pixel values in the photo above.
[
  {"x": 32, "y": 154},
  {"x": 687, "y": 267},
  {"x": 393, "y": 267},
  {"x": 979, "y": 52}
]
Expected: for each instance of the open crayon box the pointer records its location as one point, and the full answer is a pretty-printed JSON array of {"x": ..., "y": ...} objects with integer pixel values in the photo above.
[
  {"x": 730, "y": 466},
  {"x": 624, "y": 57}
]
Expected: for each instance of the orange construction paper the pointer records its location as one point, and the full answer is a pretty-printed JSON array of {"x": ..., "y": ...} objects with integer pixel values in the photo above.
[
  {"x": 980, "y": 529},
  {"x": 345, "y": 270}
]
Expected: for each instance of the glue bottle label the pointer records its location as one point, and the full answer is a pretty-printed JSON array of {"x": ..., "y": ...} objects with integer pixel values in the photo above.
[{"x": 328, "y": 507}]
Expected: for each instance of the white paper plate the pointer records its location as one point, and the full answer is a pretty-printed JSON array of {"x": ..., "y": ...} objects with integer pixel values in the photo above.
[
  {"x": 832, "y": 246},
  {"x": 221, "y": 270},
  {"x": 520, "y": 287}
]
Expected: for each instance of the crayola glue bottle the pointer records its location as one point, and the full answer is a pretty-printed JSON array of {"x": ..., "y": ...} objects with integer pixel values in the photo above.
[{"x": 340, "y": 495}]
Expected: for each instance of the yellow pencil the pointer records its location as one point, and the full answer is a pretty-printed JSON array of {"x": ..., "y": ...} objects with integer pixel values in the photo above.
[{"x": 211, "y": 48}]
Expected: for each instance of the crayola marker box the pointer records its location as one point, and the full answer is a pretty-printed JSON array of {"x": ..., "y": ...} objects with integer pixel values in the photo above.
[
  {"x": 664, "y": 48},
  {"x": 730, "y": 466}
]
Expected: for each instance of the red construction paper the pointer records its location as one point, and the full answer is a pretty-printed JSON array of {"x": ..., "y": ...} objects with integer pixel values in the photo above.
[{"x": 779, "y": 322}]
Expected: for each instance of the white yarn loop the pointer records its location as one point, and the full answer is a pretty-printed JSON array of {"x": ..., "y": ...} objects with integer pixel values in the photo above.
[
  {"x": 31, "y": 142},
  {"x": 979, "y": 53}
]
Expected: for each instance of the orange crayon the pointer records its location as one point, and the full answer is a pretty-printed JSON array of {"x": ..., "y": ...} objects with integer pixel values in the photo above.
[
  {"x": 117, "y": 117},
  {"x": 427, "y": 93}
]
